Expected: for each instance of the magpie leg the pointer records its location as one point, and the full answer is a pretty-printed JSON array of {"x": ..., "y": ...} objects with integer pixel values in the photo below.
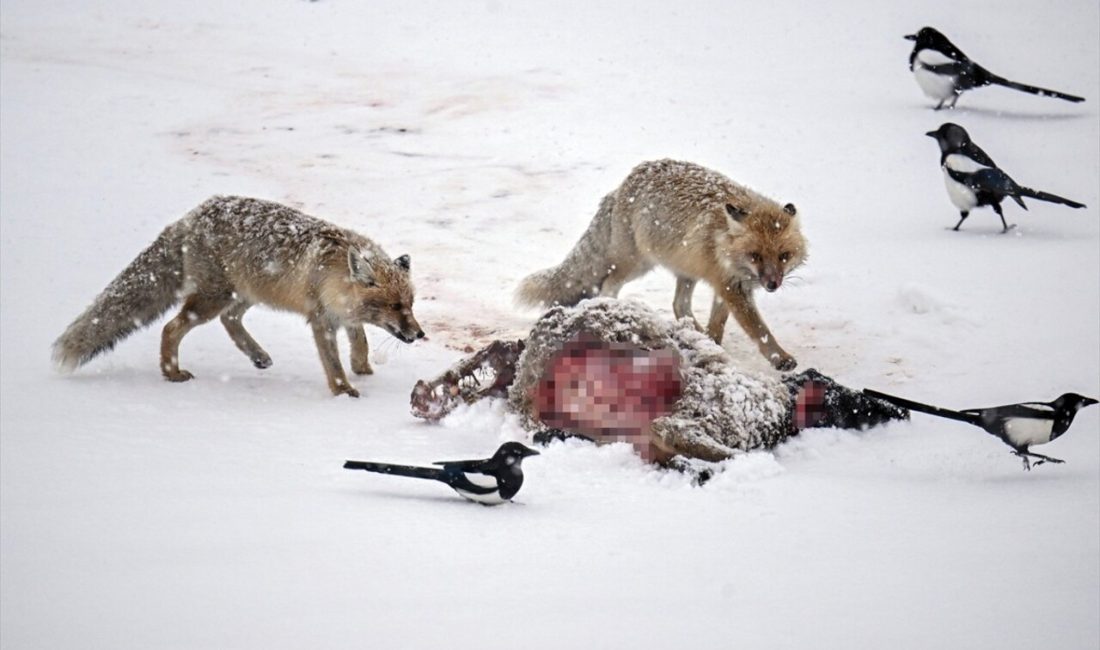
[
  {"x": 940, "y": 105},
  {"x": 954, "y": 100},
  {"x": 1045, "y": 459},
  {"x": 964, "y": 214},
  {"x": 1001, "y": 214},
  {"x": 1042, "y": 459}
]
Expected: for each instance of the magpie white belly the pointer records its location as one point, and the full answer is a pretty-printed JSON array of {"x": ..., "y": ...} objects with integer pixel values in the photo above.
[
  {"x": 962, "y": 196},
  {"x": 491, "y": 499},
  {"x": 935, "y": 86},
  {"x": 1028, "y": 431},
  {"x": 481, "y": 480}
]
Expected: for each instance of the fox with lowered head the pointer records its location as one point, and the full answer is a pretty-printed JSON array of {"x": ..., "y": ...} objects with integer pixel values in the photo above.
[{"x": 231, "y": 253}]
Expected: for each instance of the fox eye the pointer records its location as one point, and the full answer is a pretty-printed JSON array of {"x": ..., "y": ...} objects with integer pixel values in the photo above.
[
  {"x": 396, "y": 306},
  {"x": 784, "y": 257},
  {"x": 754, "y": 258}
]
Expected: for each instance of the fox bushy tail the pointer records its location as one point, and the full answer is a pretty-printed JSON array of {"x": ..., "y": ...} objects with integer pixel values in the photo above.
[
  {"x": 582, "y": 272},
  {"x": 144, "y": 290}
]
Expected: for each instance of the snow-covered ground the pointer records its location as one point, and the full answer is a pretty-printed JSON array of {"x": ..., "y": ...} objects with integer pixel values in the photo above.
[{"x": 478, "y": 137}]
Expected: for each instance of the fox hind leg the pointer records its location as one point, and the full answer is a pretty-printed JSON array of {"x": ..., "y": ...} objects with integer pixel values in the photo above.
[
  {"x": 360, "y": 351},
  {"x": 197, "y": 309},
  {"x": 611, "y": 285},
  {"x": 619, "y": 274},
  {"x": 231, "y": 319}
]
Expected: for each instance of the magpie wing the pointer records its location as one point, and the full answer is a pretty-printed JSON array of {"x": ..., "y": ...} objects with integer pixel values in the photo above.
[
  {"x": 1033, "y": 410},
  {"x": 978, "y": 155},
  {"x": 463, "y": 465},
  {"x": 459, "y": 480},
  {"x": 953, "y": 69},
  {"x": 994, "y": 181},
  {"x": 947, "y": 48}
]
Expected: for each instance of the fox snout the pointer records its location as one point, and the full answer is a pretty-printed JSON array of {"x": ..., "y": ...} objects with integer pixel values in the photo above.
[
  {"x": 769, "y": 269},
  {"x": 408, "y": 337},
  {"x": 406, "y": 330},
  {"x": 771, "y": 279}
]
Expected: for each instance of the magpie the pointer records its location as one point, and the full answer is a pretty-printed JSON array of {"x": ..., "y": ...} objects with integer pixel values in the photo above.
[
  {"x": 490, "y": 481},
  {"x": 1017, "y": 425},
  {"x": 943, "y": 72},
  {"x": 973, "y": 179}
]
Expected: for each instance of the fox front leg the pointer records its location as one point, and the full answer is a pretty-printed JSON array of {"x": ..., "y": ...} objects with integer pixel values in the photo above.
[
  {"x": 324, "y": 335},
  {"x": 360, "y": 351},
  {"x": 719, "y": 313},
  {"x": 681, "y": 302},
  {"x": 744, "y": 311}
]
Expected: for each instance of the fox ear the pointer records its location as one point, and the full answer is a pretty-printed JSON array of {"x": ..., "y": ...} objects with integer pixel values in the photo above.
[
  {"x": 360, "y": 268},
  {"x": 403, "y": 262},
  {"x": 790, "y": 209},
  {"x": 736, "y": 213}
]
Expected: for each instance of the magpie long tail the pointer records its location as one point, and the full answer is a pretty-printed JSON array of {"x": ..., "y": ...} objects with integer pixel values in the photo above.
[
  {"x": 399, "y": 470},
  {"x": 1034, "y": 90},
  {"x": 1050, "y": 198},
  {"x": 925, "y": 408}
]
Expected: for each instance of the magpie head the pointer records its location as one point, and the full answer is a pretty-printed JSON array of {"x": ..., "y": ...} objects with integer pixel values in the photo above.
[
  {"x": 513, "y": 453},
  {"x": 1073, "y": 402},
  {"x": 950, "y": 136},
  {"x": 929, "y": 37}
]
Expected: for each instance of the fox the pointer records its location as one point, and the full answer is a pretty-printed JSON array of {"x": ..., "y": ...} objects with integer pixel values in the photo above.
[
  {"x": 698, "y": 224},
  {"x": 233, "y": 252}
]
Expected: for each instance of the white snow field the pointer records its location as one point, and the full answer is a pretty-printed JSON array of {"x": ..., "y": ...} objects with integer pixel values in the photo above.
[{"x": 479, "y": 137}]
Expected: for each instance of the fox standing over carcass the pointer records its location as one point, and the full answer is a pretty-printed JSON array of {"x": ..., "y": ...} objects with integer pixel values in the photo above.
[
  {"x": 230, "y": 253},
  {"x": 698, "y": 224}
]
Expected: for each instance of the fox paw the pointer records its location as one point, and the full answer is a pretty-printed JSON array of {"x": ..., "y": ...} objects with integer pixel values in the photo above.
[
  {"x": 344, "y": 388},
  {"x": 782, "y": 362},
  {"x": 178, "y": 375},
  {"x": 362, "y": 368},
  {"x": 349, "y": 391},
  {"x": 261, "y": 361}
]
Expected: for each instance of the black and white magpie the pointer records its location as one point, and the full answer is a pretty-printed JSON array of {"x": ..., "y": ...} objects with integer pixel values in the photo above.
[
  {"x": 973, "y": 179},
  {"x": 943, "y": 72},
  {"x": 490, "y": 481},
  {"x": 1018, "y": 425}
]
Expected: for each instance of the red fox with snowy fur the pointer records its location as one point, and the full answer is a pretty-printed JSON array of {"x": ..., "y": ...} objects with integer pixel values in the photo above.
[
  {"x": 696, "y": 223},
  {"x": 231, "y": 253}
]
